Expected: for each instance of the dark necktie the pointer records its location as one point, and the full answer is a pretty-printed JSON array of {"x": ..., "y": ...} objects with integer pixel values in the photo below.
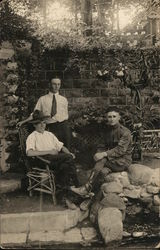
[{"x": 54, "y": 106}]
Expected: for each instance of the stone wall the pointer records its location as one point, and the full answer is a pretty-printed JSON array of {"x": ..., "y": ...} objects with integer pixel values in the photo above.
[
  {"x": 25, "y": 74},
  {"x": 131, "y": 193},
  {"x": 81, "y": 85},
  {"x": 11, "y": 105}
]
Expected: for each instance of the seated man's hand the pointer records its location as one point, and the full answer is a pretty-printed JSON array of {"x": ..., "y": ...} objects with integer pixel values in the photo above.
[
  {"x": 99, "y": 156},
  {"x": 19, "y": 124}
]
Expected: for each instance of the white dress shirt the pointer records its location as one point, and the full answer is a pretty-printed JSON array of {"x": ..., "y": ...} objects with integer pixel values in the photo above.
[
  {"x": 44, "y": 104},
  {"x": 43, "y": 141}
]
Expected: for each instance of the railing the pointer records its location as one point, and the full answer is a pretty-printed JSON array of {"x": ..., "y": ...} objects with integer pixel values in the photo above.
[{"x": 151, "y": 140}]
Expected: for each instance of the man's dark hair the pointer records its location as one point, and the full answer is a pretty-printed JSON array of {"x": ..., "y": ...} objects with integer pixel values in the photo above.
[
  {"x": 113, "y": 108},
  {"x": 55, "y": 77}
]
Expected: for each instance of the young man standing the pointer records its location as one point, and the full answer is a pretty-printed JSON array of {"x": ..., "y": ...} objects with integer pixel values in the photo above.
[
  {"x": 116, "y": 154},
  {"x": 55, "y": 106}
]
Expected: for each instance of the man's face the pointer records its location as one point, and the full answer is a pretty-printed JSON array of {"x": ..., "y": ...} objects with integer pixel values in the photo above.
[
  {"x": 55, "y": 85},
  {"x": 113, "y": 118},
  {"x": 40, "y": 127}
]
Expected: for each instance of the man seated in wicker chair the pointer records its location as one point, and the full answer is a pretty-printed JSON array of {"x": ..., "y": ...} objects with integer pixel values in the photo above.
[
  {"x": 114, "y": 157},
  {"x": 45, "y": 144}
]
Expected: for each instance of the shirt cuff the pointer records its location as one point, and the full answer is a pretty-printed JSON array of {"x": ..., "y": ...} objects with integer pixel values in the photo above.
[
  {"x": 60, "y": 146},
  {"x": 105, "y": 154}
]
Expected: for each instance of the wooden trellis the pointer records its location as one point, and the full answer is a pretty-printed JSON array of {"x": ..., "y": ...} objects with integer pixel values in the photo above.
[{"x": 151, "y": 140}]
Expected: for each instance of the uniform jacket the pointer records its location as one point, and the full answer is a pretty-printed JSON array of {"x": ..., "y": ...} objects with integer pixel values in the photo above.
[{"x": 118, "y": 144}]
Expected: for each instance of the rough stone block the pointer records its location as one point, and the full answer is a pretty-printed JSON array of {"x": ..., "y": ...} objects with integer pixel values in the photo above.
[
  {"x": 103, "y": 101},
  {"x": 140, "y": 174},
  {"x": 14, "y": 223},
  {"x": 112, "y": 187},
  {"x": 147, "y": 200},
  {"x": 73, "y": 93},
  {"x": 156, "y": 209},
  {"x": 9, "y": 185},
  {"x": 53, "y": 73},
  {"x": 81, "y": 83},
  {"x": 13, "y": 238},
  {"x": 73, "y": 236},
  {"x": 67, "y": 83},
  {"x": 7, "y": 45},
  {"x": 122, "y": 177},
  {"x": 113, "y": 200},
  {"x": 95, "y": 83},
  {"x": 60, "y": 65},
  {"x": 89, "y": 233},
  {"x": 109, "y": 92},
  {"x": 55, "y": 236},
  {"x": 129, "y": 100},
  {"x": 12, "y": 66},
  {"x": 110, "y": 224},
  {"x": 146, "y": 91},
  {"x": 12, "y": 78},
  {"x": 155, "y": 178},
  {"x": 87, "y": 74},
  {"x": 156, "y": 200},
  {"x": 6, "y": 53},
  {"x": 118, "y": 100},
  {"x": 153, "y": 189},
  {"x": 124, "y": 91},
  {"x": 41, "y": 221},
  {"x": 42, "y": 84},
  {"x": 90, "y": 92},
  {"x": 83, "y": 215},
  {"x": 115, "y": 83},
  {"x": 72, "y": 74},
  {"x": 83, "y": 100},
  {"x": 42, "y": 75},
  {"x": 135, "y": 193},
  {"x": 144, "y": 193},
  {"x": 54, "y": 220}
]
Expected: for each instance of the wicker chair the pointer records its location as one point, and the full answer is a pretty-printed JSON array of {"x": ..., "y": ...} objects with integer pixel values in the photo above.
[{"x": 41, "y": 178}]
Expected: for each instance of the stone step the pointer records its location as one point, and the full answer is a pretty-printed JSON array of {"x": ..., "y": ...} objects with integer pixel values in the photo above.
[
  {"x": 41, "y": 221},
  {"x": 9, "y": 184},
  {"x": 75, "y": 235}
]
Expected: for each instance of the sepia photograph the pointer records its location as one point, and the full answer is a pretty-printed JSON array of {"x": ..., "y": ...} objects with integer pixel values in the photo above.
[{"x": 80, "y": 124}]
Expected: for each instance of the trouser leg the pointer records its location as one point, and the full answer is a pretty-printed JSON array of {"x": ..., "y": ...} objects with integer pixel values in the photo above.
[
  {"x": 94, "y": 174},
  {"x": 64, "y": 168},
  {"x": 66, "y": 134},
  {"x": 62, "y": 132}
]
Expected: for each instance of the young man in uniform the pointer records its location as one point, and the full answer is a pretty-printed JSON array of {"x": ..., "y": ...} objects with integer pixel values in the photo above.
[{"x": 116, "y": 154}]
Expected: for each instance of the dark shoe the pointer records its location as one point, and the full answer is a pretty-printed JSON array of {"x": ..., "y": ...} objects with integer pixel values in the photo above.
[
  {"x": 70, "y": 204},
  {"x": 85, "y": 204}
]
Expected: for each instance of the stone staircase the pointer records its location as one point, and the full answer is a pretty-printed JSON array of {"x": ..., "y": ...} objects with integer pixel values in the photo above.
[
  {"x": 58, "y": 225},
  {"x": 44, "y": 228}
]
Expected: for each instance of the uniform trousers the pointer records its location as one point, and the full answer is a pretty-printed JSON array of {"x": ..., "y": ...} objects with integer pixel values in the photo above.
[{"x": 102, "y": 167}]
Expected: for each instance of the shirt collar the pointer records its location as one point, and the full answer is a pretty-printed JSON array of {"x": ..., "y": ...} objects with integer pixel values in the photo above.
[
  {"x": 115, "y": 126},
  {"x": 39, "y": 132},
  {"x": 51, "y": 94}
]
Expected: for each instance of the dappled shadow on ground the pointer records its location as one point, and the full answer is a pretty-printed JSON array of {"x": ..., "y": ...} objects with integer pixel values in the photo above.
[{"x": 20, "y": 202}]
